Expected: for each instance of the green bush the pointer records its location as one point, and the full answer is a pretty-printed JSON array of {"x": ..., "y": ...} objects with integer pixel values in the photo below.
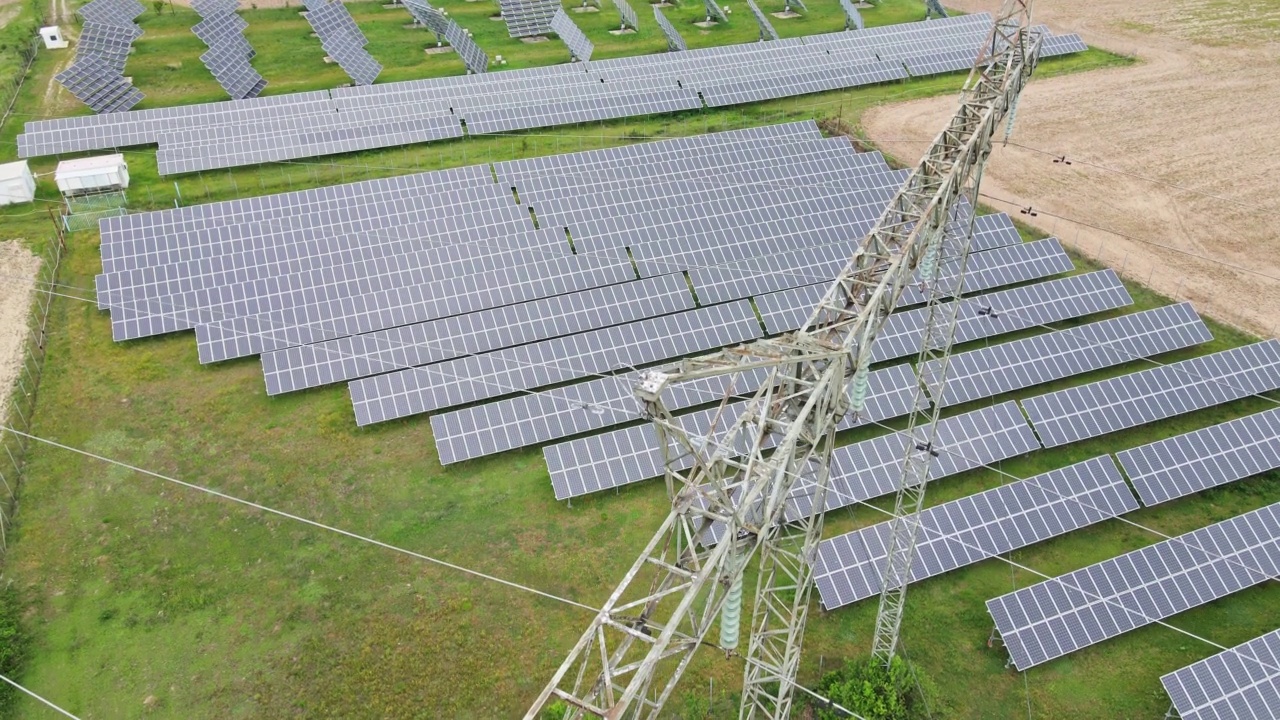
[
  {"x": 554, "y": 711},
  {"x": 873, "y": 691},
  {"x": 13, "y": 645}
]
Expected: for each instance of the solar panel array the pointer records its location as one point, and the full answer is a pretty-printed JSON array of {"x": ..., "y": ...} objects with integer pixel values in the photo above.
[
  {"x": 342, "y": 39},
  {"x": 579, "y": 46},
  {"x": 96, "y": 76},
  {"x": 229, "y": 52},
  {"x": 428, "y": 291},
  {"x": 628, "y": 14},
  {"x": 476, "y": 60},
  {"x": 1129, "y": 400},
  {"x": 1052, "y": 356},
  {"x": 554, "y": 414},
  {"x": 1085, "y": 607},
  {"x": 426, "y": 15},
  {"x": 205, "y": 137},
  {"x": 633, "y": 454},
  {"x": 962, "y": 532},
  {"x": 447, "y": 30},
  {"x": 1201, "y": 459},
  {"x": 675, "y": 43},
  {"x": 528, "y": 18},
  {"x": 1240, "y": 683},
  {"x": 766, "y": 28}
]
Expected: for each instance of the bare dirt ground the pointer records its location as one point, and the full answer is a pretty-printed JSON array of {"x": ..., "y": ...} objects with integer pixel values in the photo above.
[
  {"x": 16, "y": 264},
  {"x": 1176, "y": 150}
]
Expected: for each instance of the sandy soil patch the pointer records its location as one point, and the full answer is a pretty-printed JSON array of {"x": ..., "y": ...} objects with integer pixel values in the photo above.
[
  {"x": 17, "y": 265},
  {"x": 1186, "y": 137},
  {"x": 8, "y": 11}
]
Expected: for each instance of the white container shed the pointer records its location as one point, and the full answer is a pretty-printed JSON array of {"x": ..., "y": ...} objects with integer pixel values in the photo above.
[
  {"x": 53, "y": 38},
  {"x": 92, "y": 174},
  {"x": 17, "y": 185}
]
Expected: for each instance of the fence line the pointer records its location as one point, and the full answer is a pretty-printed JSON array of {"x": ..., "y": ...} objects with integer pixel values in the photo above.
[
  {"x": 22, "y": 398},
  {"x": 14, "y": 86}
]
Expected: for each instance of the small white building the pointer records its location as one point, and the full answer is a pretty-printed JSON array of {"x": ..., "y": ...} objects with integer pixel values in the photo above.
[
  {"x": 17, "y": 185},
  {"x": 92, "y": 175},
  {"x": 53, "y": 38}
]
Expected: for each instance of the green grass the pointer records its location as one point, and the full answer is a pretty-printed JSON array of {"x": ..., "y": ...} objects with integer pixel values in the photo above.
[{"x": 141, "y": 595}]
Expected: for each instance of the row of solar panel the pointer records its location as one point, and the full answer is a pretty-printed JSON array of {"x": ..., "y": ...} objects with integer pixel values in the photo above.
[
  {"x": 342, "y": 39},
  {"x": 96, "y": 76},
  {"x": 229, "y": 52},
  {"x": 429, "y": 110},
  {"x": 631, "y": 455}
]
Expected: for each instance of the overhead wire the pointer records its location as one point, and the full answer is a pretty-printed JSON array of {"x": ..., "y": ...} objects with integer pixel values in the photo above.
[
  {"x": 41, "y": 699},
  {"x": 347, "y": 534}
]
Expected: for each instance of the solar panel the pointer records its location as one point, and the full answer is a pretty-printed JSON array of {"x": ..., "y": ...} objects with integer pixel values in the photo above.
[
  {"x": 962, "y": 532},
  {"x": 405, "y": 346},
  {"x": 342, "y": 39},
  {"x": 714, "y": 13},
  {"x": 633, "y": 454},
  {"x": 760, "y": 275},
  {"x": 96, "y": 77},
  {"x": 579, "y": 46},
  {"x": 766, "y": 28},
  {"x": 534, "y": 418},
  {"x": 1240, "y": 683},
  {"x": 1039, "y": 359},
  {"x": 425, "y": 14},
  {"x": 942, "y": 62},
  {"x": 853, "y": 18},
  {"x": 527, "y": 18},
  {"x": 675, "y": 42},
  {"x": 1062, "y": 45},
  {"x": 478, "y": 377},
  {"x": 476, "y": 60},
  {"x": 1058, "y": 616},
  {"x": 210, "y": 8},
  {"x": 1201, "y": 459},
  {"x": 1129, "y": 400},
  {"x": 628, "y": 14},
  {"x": 871, "y": 468},
  {"x": 115, "y": 12},
  {"x": 229, "y": 52}
]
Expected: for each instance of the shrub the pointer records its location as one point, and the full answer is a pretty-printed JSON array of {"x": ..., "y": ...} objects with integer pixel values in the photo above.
[
  {"x": 13, "y": 644},
  {"x": 873, "y": 691}
]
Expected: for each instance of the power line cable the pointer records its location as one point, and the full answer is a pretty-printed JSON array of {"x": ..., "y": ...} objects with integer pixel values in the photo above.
[{"x": 42, "y": 700}]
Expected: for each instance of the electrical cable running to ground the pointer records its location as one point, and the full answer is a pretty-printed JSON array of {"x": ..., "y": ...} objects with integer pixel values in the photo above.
[{"x": 42, "y": 700}]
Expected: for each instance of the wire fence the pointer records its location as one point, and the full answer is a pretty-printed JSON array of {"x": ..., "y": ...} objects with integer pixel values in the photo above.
[
  {"x": 19, "y": 410},
  {"x": 10, "y": 87}
]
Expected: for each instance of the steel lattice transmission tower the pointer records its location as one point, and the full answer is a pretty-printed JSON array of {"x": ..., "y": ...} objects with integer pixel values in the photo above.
[{"x": 728, "y": 505}]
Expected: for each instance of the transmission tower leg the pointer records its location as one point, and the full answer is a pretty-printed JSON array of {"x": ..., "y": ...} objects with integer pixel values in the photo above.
[
  {"x": 922, "y": 428},
  {"x": 787, "y": 554}
]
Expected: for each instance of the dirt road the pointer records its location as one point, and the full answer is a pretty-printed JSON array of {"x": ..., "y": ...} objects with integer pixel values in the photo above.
[
  {"x": 1176, "y": 150},
  {"x": 16, "y": 263}
]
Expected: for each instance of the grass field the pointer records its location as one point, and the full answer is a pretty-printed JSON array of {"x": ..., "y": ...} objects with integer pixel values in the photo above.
[{"x": 145, "y": 598}]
